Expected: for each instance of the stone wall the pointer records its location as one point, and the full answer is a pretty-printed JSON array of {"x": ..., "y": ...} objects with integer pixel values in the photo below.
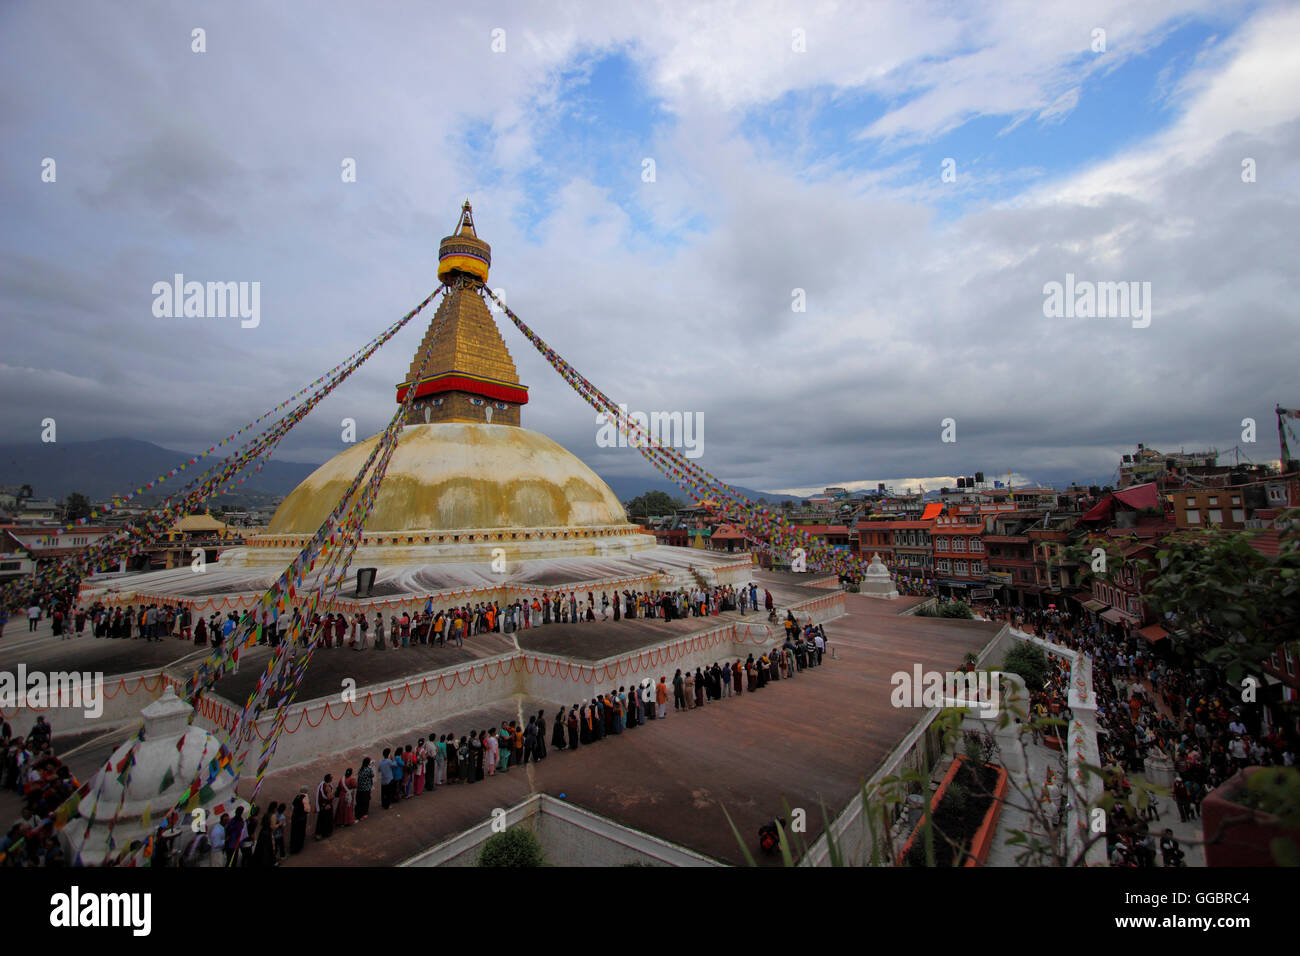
[
  {"x": 569, "y": 835},
  {"x": 420, "y": 703}
]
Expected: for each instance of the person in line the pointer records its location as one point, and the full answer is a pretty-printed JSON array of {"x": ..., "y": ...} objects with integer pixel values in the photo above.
[
  {"x": 298, "y": 822},
  {"x": 365, "y": 784},
  {"x": 325, "y": 807}
]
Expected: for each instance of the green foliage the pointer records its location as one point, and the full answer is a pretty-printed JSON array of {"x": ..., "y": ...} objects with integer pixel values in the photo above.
[
  {"x": 1275, "y": 790},
  {"x": 1030, "y": 662},
  {"x": 76, "y": 506},
  {"x": 1231, "y": 605},
  {"x": 955, "y": 610},
  {"x": 515, "y": 847},
  {"x": 651, "y": 504}
]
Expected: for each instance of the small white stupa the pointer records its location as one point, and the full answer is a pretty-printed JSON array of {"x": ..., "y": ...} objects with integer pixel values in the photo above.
[
  {"x": 877, "y": 583},
  {"x": 171, "y": 756}
]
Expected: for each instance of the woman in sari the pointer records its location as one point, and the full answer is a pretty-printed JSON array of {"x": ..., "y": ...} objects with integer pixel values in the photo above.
[
  {"x": 584, "y": 726},
  {"x": 298, "y": 828},
  {"x": 438, "y": 754},
  {"x": 345, "y": 798},
  {"x": 505, "y": 748},
  {"x": 690, "y": 691},
  {"x": 699, "y": 688},
  {"x": 421, "y": 761},
  {"x": 325, "y": 807},
  {"x": 476, "y": 754},
  {"x": 365, "y": 784},
  {"x": 453, "y": 759},
  {"x": 263, "y": 842},
  {"x": 557, "y": 732},
  {"x": 277, "y": 827},
  {"x": 571, "y": 724},
  {"x": 493, "y": 757}
]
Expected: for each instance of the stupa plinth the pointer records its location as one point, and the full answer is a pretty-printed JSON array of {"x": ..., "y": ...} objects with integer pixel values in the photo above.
[
  {"x": 172, "y": 753},
  {"x": 877, "y": 582}
]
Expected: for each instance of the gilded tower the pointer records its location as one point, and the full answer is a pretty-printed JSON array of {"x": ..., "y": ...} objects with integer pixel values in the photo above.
[{"x": 469, "y": 375}]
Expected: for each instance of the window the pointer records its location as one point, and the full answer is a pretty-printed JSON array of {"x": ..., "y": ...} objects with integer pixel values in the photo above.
[
  {"x": 962, "y": 568},
  {"x": 977, "y": 567},
  {"x": 1290, "y": 660},
  {"x": 1236, "y": 499},
  {"x": 1239, "y": 515},
  {"x": 941, "y": 544},
  {"x": 941, "y": 565},
  {"x": 976, "y": 544},
  {"x": 1216, "y": 516},
  {"x": 1214, "y": 499},
  {"x": 1193, "y": 517},
  {"x": 958, "y": 544},
  {"x": 1191, "y": 502}
]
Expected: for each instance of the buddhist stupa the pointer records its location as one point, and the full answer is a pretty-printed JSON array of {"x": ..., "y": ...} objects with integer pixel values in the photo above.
[{"x": 466, "y": 477}]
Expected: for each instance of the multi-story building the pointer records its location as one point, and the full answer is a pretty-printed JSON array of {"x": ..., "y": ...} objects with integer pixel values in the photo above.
[
  {"x": 1010, "y": 557},
  {"x": 1232, "y": 506},
  {"x": 1147, "y": 464},
  {"x": 1055, "y": 571},
  {"x": 913, "y": 552},
  {"x": 877, "y": 537},
  {"x": 959, "y": 564}
]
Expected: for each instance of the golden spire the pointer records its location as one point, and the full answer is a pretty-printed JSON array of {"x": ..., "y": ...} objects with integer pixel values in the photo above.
[
  {"x": 469, "y": 375},
  {"x": 463, "y": 253}
]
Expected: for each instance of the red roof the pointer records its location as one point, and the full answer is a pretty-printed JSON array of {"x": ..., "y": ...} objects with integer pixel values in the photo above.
[
  {"x": 727, "y": 532},
  {"x": 1153, "y": 633},
  {"x": 1267, "y": 543},
  {"x": 1136, "y": 497}
]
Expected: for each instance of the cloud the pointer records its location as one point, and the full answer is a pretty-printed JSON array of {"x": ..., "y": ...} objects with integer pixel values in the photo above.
[{"x": 225, "y": 166}]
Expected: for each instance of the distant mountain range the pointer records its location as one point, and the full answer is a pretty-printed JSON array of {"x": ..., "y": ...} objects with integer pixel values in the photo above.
[
  {"x": 109, "y": 466},
  {"x": 112, "y": 466}
]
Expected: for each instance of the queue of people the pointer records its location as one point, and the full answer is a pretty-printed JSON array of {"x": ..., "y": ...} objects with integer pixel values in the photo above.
[{"x": 408, "y": 771}]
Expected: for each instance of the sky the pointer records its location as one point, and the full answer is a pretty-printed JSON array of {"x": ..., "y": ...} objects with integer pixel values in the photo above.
[{"x": 828, "y": 229}]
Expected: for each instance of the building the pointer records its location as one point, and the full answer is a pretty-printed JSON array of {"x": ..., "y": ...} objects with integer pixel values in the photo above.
[
  {"x": 959, "y": 562},
  {"x": 1010, "y": 557},
  {"x": 913, "y": 550},
  {"x": 877, "y": 537},
  {"x": 1147, "y": 464},
  {"x": 471, "y": 500},
  {"x": 1234, "y": 507}
]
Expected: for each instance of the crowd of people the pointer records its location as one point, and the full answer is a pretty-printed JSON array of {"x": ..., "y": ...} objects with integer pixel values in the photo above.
[
  {"x": 431, "y": 626},
  {"x": 406, "y": 771},
  {"x": 32, "y": 770},
  {"x": 1147, "y": 706}
]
